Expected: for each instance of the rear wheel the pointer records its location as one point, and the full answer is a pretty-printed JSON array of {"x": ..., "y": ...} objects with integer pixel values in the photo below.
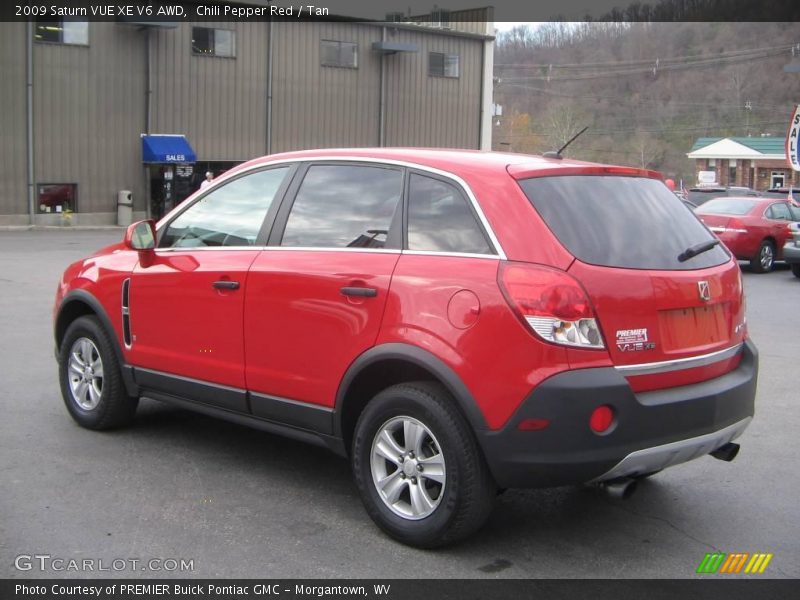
[
  {"x": 90, "y": 377},
  {"x": 763, "y": 261},
  {"x": 796, "y": 269},
  {"x": 418, "y": 468}
]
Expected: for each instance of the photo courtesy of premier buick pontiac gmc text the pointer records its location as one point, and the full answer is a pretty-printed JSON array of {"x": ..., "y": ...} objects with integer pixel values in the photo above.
[{"x": 453, "y": 322}]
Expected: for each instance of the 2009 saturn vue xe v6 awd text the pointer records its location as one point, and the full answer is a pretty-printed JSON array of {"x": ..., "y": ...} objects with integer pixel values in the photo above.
[{"x": 453, "y": 322}]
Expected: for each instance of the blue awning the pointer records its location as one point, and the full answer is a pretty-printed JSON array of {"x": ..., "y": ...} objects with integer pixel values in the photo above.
[{"x": 167, "y": 149}]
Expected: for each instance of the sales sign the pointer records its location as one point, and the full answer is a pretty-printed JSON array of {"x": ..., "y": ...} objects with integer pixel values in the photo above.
[{"x": 792, "y": 151}]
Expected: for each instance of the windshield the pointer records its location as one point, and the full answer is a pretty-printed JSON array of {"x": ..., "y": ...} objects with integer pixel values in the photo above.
[
  {"x": 614, "y": 221},
  {"x": 726, "y": 206}
]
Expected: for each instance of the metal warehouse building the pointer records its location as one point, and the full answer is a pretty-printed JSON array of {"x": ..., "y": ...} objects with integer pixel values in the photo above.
[{"x": 92, "y": 109}]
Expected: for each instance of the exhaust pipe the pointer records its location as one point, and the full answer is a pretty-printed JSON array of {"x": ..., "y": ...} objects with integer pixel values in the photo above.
[
  {"x": 727, "y": 452},
  {"x": 622, "y": 488}
]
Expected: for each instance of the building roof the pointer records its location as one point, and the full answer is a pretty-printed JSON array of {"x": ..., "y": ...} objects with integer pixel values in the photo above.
[{"x": 738, "y": 147}]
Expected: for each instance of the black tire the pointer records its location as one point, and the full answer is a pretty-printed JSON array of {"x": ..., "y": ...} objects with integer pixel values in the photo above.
[
  {"x": 764, "y": 260},
  {"x": 795, "y": 269},
  {"x": 467, "y": 495},
  {"x": 114, "y": 408}
]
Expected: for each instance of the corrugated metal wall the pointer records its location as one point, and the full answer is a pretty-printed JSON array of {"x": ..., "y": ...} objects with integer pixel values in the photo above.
[
  {"x": 13, "y": 147},
  {"x": 318, "y": 107},
  {"x": 323, "y": 107},
  {"x": 433, "y": 111},
  {"x": 219, "y": 103},
  {"x": 89, "y": 109}
]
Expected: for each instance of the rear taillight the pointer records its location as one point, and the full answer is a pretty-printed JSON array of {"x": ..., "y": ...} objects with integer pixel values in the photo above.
[
  {"x": 551, "y": 303},
  {"x": 736, "y": 226}
]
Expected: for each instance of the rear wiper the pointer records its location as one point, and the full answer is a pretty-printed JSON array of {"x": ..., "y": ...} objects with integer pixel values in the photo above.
[{"x": 693, "y": 251}]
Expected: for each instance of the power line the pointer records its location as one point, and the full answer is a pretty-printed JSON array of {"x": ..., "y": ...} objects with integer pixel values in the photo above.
[
  {"x": 754, "y": 106},
  {"x": 657, "y": 130},
  {"x": 654, "y": 68},
  {"x": 647, "y": 61}
]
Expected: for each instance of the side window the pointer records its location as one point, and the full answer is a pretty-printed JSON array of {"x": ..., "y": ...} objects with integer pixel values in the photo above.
[
  {"x": 440, "y": 220},
  {"x": 344, "y": 206},
  {"x": 780, "y": 212},
  {"x": 231, "y": 215}
]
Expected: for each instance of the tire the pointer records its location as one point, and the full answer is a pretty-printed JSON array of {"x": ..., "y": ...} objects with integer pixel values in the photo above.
[
  {"x": 795, "y": 269},
  {"x": 453, "y": 493},
  {"x": 95, "y": 397},
  {"x": 764, "y": 260}
]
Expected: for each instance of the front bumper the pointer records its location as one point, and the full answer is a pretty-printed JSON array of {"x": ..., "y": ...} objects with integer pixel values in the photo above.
[{"x": 653, "y": 429}]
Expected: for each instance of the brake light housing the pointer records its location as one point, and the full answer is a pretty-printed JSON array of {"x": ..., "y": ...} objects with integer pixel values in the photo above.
[{"x": 551, "y": 304}]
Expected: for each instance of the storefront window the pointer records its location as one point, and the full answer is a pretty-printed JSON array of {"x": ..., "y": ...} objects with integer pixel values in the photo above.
[{"x": 58, "y": 197}]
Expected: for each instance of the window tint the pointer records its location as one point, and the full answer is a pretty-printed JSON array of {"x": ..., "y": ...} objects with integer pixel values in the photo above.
[
  {"x": 629, "y": 222},
  {"x": 229, "y": 216},
  {"x": 344, "y": 206},
  {"x": 779, "y": 211},
  {"x": 440, "y": 220},
  {"x": 726, "y": 206}
]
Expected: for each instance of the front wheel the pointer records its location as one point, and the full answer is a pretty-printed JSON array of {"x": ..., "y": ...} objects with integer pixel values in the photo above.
[
  {"x": 91, "y": 381},
  {"x": 796, "y": 269},
  {"x": 763, "y": 261},
  {"x": 418, "y": 467}
]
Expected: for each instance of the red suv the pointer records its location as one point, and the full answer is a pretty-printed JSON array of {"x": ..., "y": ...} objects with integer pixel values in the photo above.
[{"x": 453, "y": 322}]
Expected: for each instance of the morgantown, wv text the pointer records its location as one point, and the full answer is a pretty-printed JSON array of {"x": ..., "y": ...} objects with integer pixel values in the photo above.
[{"x": 212, "y": 591}]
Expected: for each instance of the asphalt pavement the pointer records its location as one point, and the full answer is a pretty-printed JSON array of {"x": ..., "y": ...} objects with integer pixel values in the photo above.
[{"x": 234, "y": 502}]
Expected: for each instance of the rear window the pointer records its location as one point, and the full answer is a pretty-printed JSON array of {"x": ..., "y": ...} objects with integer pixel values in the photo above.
[
  {"x": 726, "y": 206},
  {"x": 628, "y": 222}
]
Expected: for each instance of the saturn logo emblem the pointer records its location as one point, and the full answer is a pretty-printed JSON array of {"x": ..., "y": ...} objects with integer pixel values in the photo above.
[{"x": 705, "y": 293}]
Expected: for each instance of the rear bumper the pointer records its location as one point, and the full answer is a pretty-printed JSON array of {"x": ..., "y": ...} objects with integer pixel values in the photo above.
[
  {"x": 652, "y": 430},
  {"x": 791, "y": 253}
]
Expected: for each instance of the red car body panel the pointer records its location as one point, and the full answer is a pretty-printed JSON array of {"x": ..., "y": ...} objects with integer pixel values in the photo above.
[
  {"x": 480, "y": 339},
  {"x": 194, "y": 330},
  {"x": 301, "y": 332}
]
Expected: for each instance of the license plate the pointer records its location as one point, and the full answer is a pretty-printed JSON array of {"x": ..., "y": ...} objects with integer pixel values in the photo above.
[{"x": 685, "y": 328}]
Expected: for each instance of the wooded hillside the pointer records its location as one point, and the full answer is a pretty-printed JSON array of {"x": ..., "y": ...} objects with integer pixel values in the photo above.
[{"x": 646, "y": 90}]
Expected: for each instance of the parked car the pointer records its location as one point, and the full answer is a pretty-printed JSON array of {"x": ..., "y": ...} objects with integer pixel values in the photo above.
[
  {"x": 701, "y": 195},
  {"x": 754, "y": 229},
  {"x": 784, "y": 194},
  {"x": 452, "y": 322},
  {"x": 791, "y": 250}
]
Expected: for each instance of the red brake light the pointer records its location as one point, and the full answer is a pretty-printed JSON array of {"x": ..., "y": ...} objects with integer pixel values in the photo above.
[
  {"x": 551, "y": 303},
  {"x": 736, "y": 226}
]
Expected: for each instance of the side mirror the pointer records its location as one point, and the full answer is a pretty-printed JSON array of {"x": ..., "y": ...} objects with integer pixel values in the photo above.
[{"x": 141, "y": 237}]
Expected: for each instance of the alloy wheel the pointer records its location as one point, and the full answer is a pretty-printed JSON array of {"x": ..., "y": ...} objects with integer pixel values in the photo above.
[
  {"x": 408, "y": 468},
  {"x": 85, "y": 373}
]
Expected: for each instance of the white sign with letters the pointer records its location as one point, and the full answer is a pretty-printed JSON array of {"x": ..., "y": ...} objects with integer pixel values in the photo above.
[
  {"x": 706, "y": 177},
  {"x": 792, "y": 150}
]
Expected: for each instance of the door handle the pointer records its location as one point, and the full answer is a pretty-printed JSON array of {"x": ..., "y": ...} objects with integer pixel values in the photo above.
[
  {"x": 226, "y": 285},
  {"x": 364, "y": 292}
]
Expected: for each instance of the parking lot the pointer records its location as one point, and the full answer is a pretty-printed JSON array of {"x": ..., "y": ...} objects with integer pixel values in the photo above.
[{"x": 242, "y": 503}]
